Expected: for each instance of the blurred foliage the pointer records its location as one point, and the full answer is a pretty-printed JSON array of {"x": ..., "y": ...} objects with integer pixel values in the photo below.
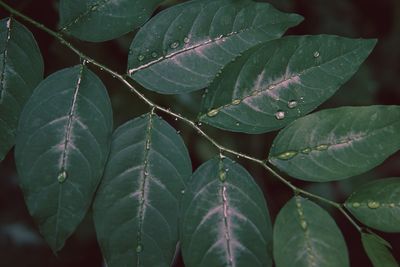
[{"x": 375, "y": 83}]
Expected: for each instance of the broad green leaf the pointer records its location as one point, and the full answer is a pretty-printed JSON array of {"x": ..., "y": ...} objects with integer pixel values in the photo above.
[
  {"x": 137, "y": 206},
  {"x": 335, "y": 144},
  {"x": 275, "y": 83},
  {"x": 225, "y": 220},
  {"x": 377, "y": 204},
  {"x": 305, "y": 235},
  {"x": 62, "y": 144},
  {"x": 182, "y": 48},
  {"x": 378, "y": 251},
  {"x": 102, "y": 20},
  {"x": 21, "y": 69}
]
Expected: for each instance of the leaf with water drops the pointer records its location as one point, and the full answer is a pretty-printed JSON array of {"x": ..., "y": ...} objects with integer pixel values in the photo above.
[
  {"x": 182, "y": 48},
  {"x": 102, "y": 20},
  {"x": 137, "y": 205},
  {"x": 306, "y": 235},
  {"x": 21, "y": 69},
  {"x": 272, "y": 84},
  {"x": 377, "y": 204},
  {"x": 62, "y": 145},
  {"x": 378, "y": 250},
  {"x": 225, "y": 221},
  {"x": 335, "y": 144}
]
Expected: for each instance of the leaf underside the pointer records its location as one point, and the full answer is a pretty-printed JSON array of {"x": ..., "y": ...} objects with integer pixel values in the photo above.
[
  {"x": 335, "y": 144},
  {"x": 102, "y": 20},
  {"x": 62, "y": 144},
  {"x": 225, "y": 221},
  {"x": 272, "y": 84},
  {"x": 137, "y": 205},
  {"x": 21, "y": 69},
  {"x": 377, "y": 204},
  {"x": 182, "y": 48},
  {"x": 306, "y": 235}
]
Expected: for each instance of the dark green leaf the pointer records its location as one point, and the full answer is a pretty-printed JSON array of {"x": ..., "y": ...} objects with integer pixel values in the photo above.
[
  {"x": 183, "y": 48},
  {"x": 225, "y": 220},
  {"x": 305, "y": 235},
  {"x": 102, "y": 20},
  {"x": 273, "y": 84},
  {"x": 378, "y": 251},
  {"x": 377, "y": 204},
  {"x": 21, "y": 69},
  {"x": 137, "y": 206},
  {"x": 334, "y": 144},
  {"x": 62, "y": 144}
]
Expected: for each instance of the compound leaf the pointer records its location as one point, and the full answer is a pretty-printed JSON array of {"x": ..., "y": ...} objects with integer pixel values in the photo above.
[
  {"x": 378, "y": 251},
  {"x": 182, "y": 48},
  {"x": 137, "y": 205},
  {"x": 21, "y": 70},
  {"x": 275, "y": 83},
  {"x": 62, "y": 145},
  {"x": 102, "y": 20},
  {"x": 377, "y": 204},
  {"x": 225, "y": 220},
  {"x": 335, "y": 144},
  {"x": 306, "y": 235}
]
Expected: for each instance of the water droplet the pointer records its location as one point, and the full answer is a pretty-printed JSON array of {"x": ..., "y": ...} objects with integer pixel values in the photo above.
[
  {"x": 139, "y": 248},
  {"x": 236, "y": 101},
  {"x": 306, "y": 150},
  {"x": 154, "y": 54},
  {"x": 292, "y": 104},
  {"x": 148, "y": 144},
  {"x": 303, "y": 224},
  {"x": 356, "y": 205},
  {"x": 93, "y": 8},
  {"x": 62, "y": 176},
  {"x": 186, "y": 40},
  {"x": 140, "y": 57},
  {"x": 392, "y": 205},
  {"x": 287, "y": 155},
  {"x": 322, "y": 147},
  {"x": 373, "y": 204},
  {"x": 212, "y": 113},
  {"x": 237, "y": 124},
  {"x": 222, "y": 176},
  {"x": 174, "y": 45},
  {"x": 316, "y": 54},
  {"x": 183, "y": 191},
  {"x": 178, "y": 132},
  {"x": 280, "y": 115},
  {"x": 199, "y": 123},
  {"x": 146, "y": 173}
]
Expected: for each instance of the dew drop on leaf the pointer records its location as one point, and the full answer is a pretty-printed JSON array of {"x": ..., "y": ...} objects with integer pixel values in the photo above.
[
  {"x": 222, "y": 176},
  {"x": 236, "y": 102},
  {"x": 186, "y": 40},
  {"x": 62, "y": 176},
  {"x": 316, "y": 54},
  {"x": 280, "y": 115},
  {"x": 322, "y": 147},
  {"x": 140, "y": 57},
  {"x": 154, "y": 54},
  {"x": 139, "y": 248},
  {"x": 174, "y": 45},
  {"x": 373, "y": 204},
  {"x": 356, "y": 205},
  {"x": 303, "y": 224},
  {"x": 292, "y": 104},
  {"x": 306, "y": 150},
  {"x": 212, "y": 113},
  {"x": 287, "y": 155}
]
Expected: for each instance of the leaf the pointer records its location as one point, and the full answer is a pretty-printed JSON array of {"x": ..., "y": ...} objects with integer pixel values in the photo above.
[
  {"x": 62, "y": 144},
  {"x": 335, "y": 144},
  {"x": 377, "y": 204},
  {"x": 306, "y": 235},
  {"x": 102, "y": 20},
  {"x": 377, "y": 251},
  {"x": 181, "y": 49},
  {"x": 225, "y": 220},
  {"x": 21, "y": 69},
  {"x": 275, "y": 83},
  {"x": 137, "y": 206}
]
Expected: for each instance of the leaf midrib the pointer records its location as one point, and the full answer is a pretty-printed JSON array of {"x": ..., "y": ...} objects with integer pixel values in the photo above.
[{"x": 5, "y": 55}]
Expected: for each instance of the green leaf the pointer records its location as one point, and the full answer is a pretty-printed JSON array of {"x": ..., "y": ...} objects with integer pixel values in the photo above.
[
  {"x": 21, "y": 69},
  {"x": 377, "y": 204},
  {"x": 335, "y": 144},
  {"x": 225, "y": 220},
  {"x": 182, "y": 48},
  {"x": 137, "y": 206},
  {"x": 102, "y": 20},
  {"x": 275, "y": 83},
  {"x": 305, "y": 235},
  {"x": 378, "y": 251},
  {"x": 62, "y": 144}
]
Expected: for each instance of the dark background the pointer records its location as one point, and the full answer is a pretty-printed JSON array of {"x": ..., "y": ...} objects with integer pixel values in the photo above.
[{"x": 377, "y": 82}]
